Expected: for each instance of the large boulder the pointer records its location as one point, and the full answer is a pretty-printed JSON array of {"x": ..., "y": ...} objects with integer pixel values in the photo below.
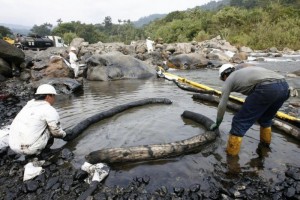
[
  {"x": 11, "y": 53},
  {"x": 187, "y": 61},
  {"x": 115, "y": 65},
  {"x": 55, "y": 68},
  {"x": 62, "y": 85},
  {"x": 5, "y": 68},
  {"x": 239, "y": 57},
  {"x": 11, "y": 59}
]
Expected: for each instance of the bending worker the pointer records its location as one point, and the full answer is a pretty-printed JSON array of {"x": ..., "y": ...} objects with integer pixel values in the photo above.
[
  {"x": 36, "y": 125},
  {"x": 73, "y": 61},
  {"x": 266, "y": 90}
]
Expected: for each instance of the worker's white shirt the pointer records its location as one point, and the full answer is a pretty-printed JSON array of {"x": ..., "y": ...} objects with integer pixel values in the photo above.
[{"x": 32, "y": 127}]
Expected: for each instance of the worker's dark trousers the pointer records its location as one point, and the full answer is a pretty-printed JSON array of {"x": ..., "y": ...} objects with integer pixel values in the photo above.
[{"x": 261, "y": 106}]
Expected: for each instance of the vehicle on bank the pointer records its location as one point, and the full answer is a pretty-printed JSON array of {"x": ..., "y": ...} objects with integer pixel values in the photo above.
[{"x": 36, "y": 42}]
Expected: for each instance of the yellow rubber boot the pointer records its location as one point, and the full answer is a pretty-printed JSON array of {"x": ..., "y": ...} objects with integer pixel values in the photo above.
[
  {"x": 234, "y": 145},
  {"x": 265, "y": 135}
]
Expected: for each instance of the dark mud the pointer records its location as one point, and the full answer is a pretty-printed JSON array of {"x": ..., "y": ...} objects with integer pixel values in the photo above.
[{"x": 62, "y": 181}]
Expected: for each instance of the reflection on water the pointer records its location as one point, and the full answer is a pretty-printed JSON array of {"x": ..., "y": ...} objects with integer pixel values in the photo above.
[{"x": 154, "y": 124}]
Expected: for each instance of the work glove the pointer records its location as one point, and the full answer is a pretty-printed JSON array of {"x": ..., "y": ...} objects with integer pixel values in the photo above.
[{"x": 216, "y": 125}]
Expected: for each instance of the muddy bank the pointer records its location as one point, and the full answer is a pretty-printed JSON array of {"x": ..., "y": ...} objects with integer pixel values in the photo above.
[{"x": 13, "y": 96}]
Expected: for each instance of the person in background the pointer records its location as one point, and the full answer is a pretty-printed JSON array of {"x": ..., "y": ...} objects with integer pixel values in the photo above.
[
  {"x": 149, "y": 44},
  {"x": 37, "y": 124},
  {"x": 73, "y": 61},
  {"x": 266, "y": 92}
]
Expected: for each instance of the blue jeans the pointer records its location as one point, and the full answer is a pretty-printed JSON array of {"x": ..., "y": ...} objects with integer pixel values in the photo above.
[{"x": 261, "y": 106}]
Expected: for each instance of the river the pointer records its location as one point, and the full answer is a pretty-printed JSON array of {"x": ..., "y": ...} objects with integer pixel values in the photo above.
[{"x": 155, "y": 124}]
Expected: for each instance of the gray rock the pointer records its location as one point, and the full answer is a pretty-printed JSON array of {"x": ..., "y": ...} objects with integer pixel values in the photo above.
[
  {"x": 11, "y": 53},
  {"x": 114, "y": 66},
  {"x": 187, "y": 61},
  {"x": 32, "y": 186}
]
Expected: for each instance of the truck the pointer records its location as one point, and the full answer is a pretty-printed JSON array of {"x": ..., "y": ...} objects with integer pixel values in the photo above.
[
  {"x": 58, "y": 41},
  {"x": 36, "y": 42}
]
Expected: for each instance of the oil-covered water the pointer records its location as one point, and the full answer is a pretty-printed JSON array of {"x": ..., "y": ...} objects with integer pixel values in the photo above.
[{"x": 156, "y": 124}]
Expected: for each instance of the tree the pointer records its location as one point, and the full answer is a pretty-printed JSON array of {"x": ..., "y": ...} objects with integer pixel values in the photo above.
[
  {"x": 68, "y": 37},
  {"x": 107, "y": 22},
  {"x": 42, "y": 30},
  {"x": 4, "y": 31},
  {"x": 59, "y": 21}
]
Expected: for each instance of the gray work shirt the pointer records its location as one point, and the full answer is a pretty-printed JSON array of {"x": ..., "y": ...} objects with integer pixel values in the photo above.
[{"x": 244, "y": 81}]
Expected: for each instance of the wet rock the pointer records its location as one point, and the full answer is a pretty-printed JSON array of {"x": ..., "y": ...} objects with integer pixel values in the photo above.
[
  {"x": 195, "y": 188},
  {"x": 298, "y": 188},
  {"x": 46, "y": 164},
  {"x": 56, "y": 186},
  {"x": 53, "y": 167},
  {"x": 41, "y": 179},
  {"x": 32, "y": 186},
  {"x": 178, "y": 191},
  {"x": 52, "y": 181},
  {"x": 89, "y": 191},
  {"x": 146, "y": 179},
  {"x": 293, "y": 173},
  {"x": 3, "y": 151},
  {"x": 60, "y": 162},
  {"x": 163, "y": 191},
  {"x": 80, "y": 175},
  {"x": 66, "y": 154},
  {"x": 290, "y": 192}
]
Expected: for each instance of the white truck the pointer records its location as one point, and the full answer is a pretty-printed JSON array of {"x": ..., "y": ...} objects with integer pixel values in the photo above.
[{"x": 58, "y": 41}]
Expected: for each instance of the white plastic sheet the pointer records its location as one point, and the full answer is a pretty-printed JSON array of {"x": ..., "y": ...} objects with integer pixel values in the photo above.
[
  {"x": 97, "y": 172},
  {"x": 33, "y": 169}
]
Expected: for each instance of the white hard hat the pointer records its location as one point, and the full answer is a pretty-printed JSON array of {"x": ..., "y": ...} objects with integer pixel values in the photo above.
[
  {"x": 73, "y": 49},
  {"x": 46, "y": 89},
  {"x": 224, "y": 67}
]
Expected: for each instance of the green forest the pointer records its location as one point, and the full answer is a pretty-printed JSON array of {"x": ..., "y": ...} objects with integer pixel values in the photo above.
[{"x": 259, "y": 24}]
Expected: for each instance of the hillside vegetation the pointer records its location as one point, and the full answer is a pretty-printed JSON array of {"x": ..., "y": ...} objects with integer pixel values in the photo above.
[
  {"x": 258, "y": 27},
  {"x": 259, "y": 24}
]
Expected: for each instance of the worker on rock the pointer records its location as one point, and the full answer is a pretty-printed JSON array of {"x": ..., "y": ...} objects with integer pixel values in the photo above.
[
  {"x": 36, "y": 125},
  {"x": 266, "y": 92},
  {"x": 149, "y": 44},
  {"x": 73, "y": 61}
]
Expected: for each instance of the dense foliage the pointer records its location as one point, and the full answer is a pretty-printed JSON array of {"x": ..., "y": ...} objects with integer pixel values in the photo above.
[
  {"x": 258, "y": 28},
  {"x": 4, "y": 31},
  {"x": 259, "y": 24},
  {"x": 42, "y": 30}
]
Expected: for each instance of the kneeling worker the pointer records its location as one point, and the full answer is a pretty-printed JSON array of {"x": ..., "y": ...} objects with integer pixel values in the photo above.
[
  {"x": 36, "y": 124},
  {"x": 266, "y": 92}
]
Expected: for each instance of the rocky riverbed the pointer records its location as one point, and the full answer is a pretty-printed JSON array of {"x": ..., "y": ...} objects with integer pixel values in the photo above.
[{"x": 61, "y": 181}]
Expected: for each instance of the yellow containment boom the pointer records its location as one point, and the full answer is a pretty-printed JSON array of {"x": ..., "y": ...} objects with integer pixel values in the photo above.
[{"x": 279, "y": 114}]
